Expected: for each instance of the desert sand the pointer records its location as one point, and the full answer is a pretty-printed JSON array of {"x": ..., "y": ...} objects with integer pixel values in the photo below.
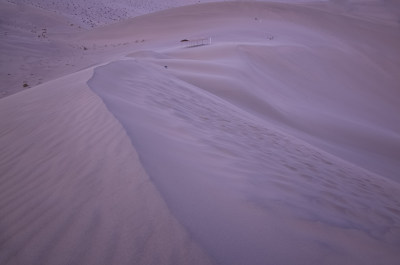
[{"x": 276, "y": 143}]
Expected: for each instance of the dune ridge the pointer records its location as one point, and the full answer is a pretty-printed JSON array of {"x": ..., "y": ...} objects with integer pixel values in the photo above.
[
  {"x": 276, "y": 144},
  {"x": 72, "y": 189}
]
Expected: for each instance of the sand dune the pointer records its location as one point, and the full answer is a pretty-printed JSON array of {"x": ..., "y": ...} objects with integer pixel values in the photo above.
[
  {"x": 277, "y": 144},
  {"x": 93, "y": 13},
  {"x": 72, "y": 189},
  {"x": 223, "y": 173},
  {"x": 334, "y": 88},
  {"x": 39, "y": 44}
]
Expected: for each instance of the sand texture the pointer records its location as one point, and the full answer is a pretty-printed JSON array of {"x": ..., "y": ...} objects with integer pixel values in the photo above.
[{"x": 277, "y": 142}]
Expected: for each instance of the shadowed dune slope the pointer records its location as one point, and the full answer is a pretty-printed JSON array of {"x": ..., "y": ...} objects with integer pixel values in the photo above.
[
  {"x": 247, "y": 192},
  {"x": 264, "y": 144},
  {"x": 329, "y": 79}
]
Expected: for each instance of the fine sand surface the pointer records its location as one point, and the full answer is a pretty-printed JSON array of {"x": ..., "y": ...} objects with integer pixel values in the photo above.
[
  {"x": 72, "y": 188},
  {"x": 278, "y": 143}
]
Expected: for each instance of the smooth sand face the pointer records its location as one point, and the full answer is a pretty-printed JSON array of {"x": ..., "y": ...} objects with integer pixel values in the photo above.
[{"x": 276, "y": 144}]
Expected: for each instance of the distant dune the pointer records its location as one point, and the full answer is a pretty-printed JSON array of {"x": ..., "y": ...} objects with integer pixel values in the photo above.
[
  {"x": 91, "y": 13},
  {"x": 275, "y": 142}
]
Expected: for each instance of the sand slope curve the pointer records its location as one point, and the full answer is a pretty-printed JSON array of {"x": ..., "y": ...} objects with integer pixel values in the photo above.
[
  {"x": 276, "y": 144},
  {"x": 72, "y": 188}
]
